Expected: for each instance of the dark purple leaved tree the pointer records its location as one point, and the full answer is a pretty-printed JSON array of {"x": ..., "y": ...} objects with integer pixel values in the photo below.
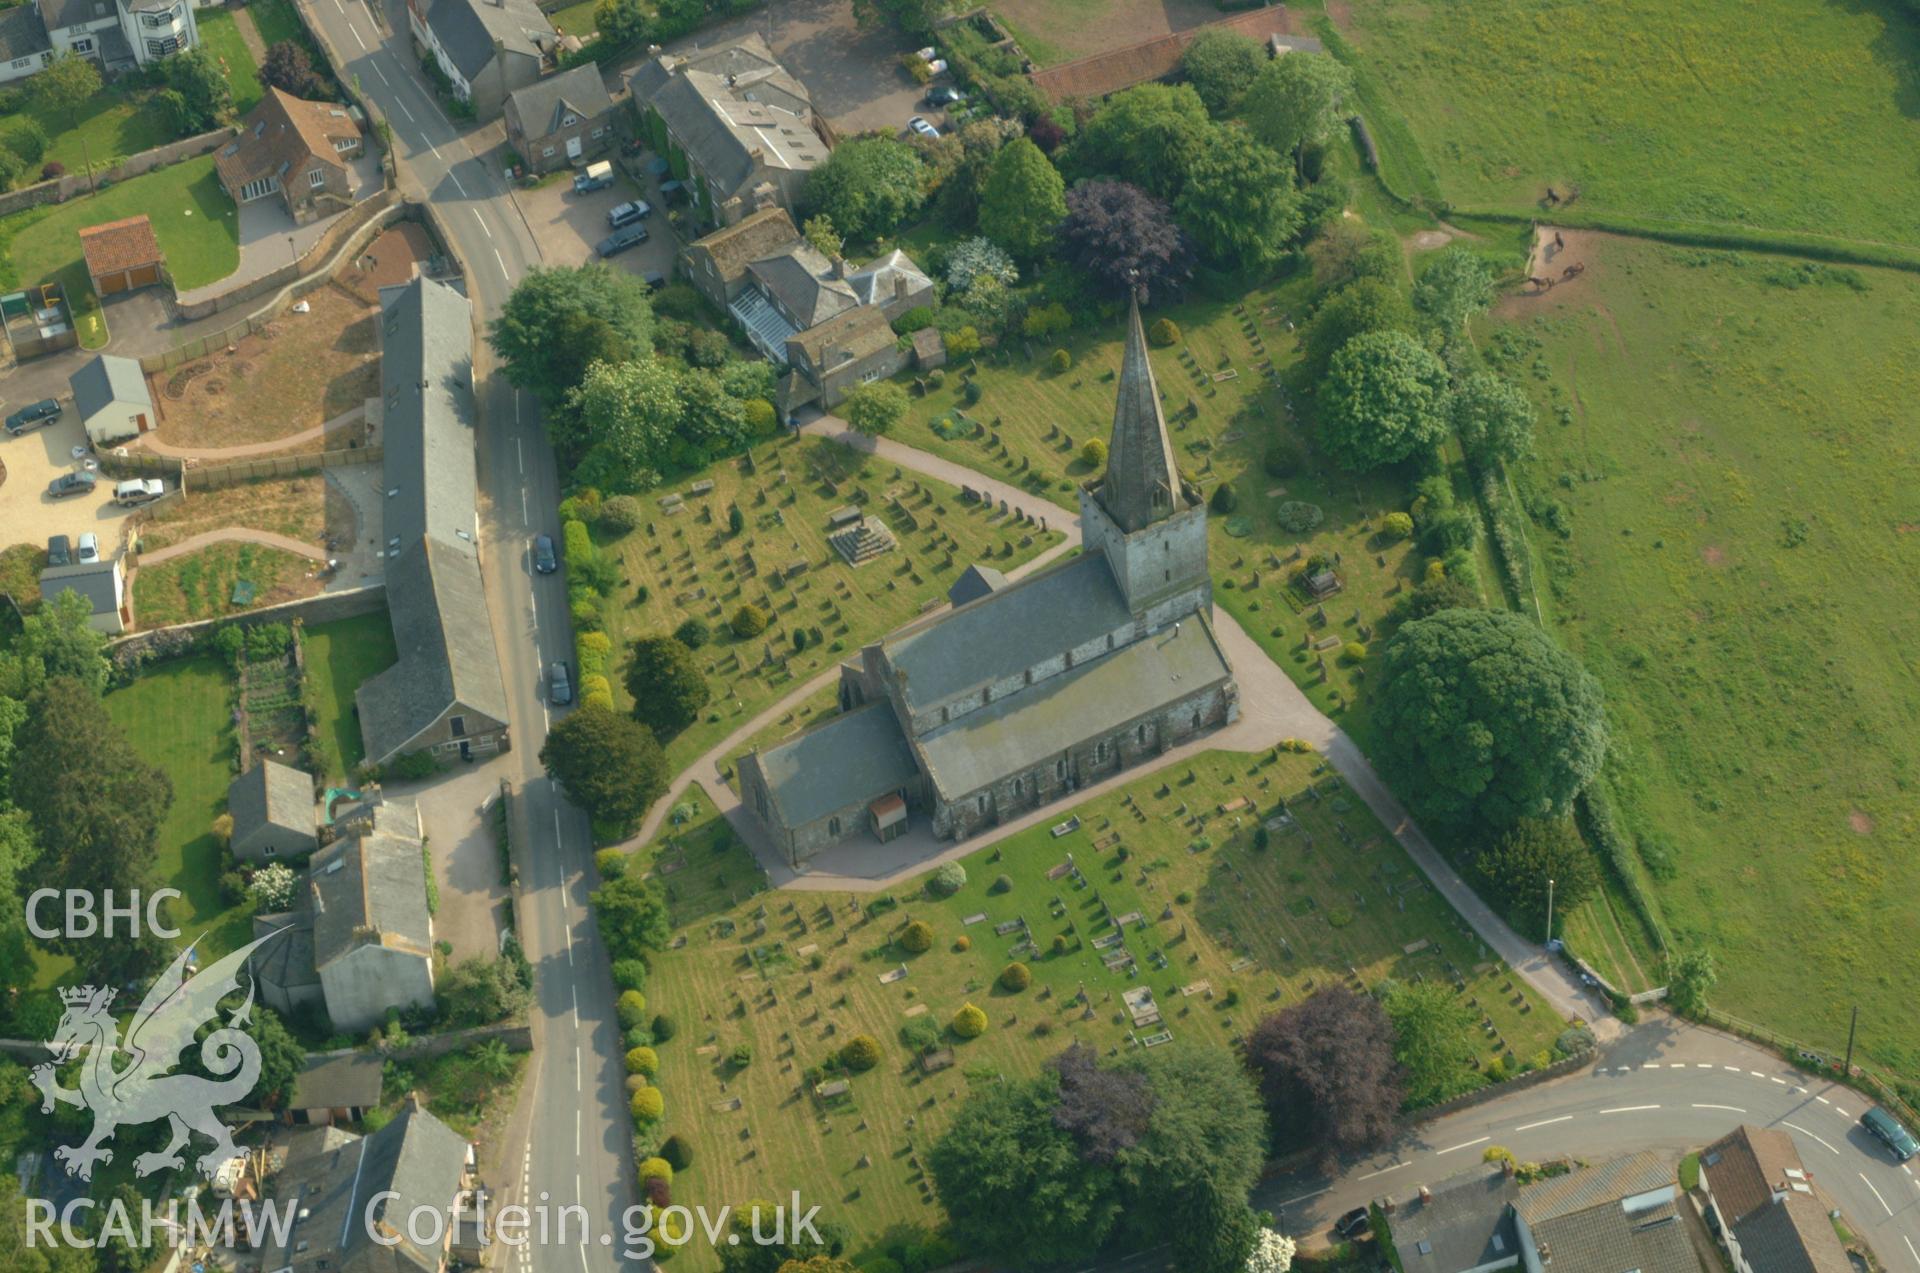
[{"x": 1115, "y": 231}]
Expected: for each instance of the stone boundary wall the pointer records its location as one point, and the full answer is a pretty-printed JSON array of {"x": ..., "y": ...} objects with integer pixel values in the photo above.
[
  {"x": 319, "y": 265},
  {"x": 325, "y": 608},
  {"x": 64, "y": 187}
]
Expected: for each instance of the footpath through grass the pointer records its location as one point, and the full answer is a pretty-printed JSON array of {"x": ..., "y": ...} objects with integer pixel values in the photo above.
[
  {"x": 1726, "y": 452},
  {"x": 1220, "y": 933}
]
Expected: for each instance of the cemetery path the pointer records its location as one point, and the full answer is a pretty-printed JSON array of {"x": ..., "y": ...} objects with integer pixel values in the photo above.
[{"x": 1272, "y": 708}]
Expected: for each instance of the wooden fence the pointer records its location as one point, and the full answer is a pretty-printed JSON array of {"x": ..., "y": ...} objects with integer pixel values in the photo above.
[{"x": 1814, "y": 1060}]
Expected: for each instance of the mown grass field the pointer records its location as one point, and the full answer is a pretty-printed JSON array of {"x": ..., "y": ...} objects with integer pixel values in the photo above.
[
  {"x": 1783, "y": 114},
  {"x": 1729, "y": 448},
  {"x": 1224, "y": 413},
  {"x": 1245, "y": 930},
  {"x": 340, "y": 655},
  {"x": 692, "y": 566}
]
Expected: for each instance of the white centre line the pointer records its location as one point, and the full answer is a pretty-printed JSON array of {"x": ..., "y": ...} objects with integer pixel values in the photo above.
[
  {"x": 556, "y": 826},
  {"x": 1842, "y": 1113},
  {"x": 1876, "y": 1192},
  {"x": 356, "y": 37},
  {"x": 454, "y": 177},
  {"x": 1731, "y": 1069},
  {"x": 483, "y": 224},
  {"x": 576, "y": 1008},
  {"x": 1906, "y": 1169},
  {"x": 1628, "y": 1109},
  {"x": 1467, "y": 1144},
  {"x": 403, "y": 109},
  {"x": 503, "y": 263},
  {"x": 576, "y": 1067},
  {"x": 1703, "y": 1065},
  {"x": 1781, "y": 1082},
  {"x": 382, "y": 74},
  {"x": 1384, "y": 1170},
  {"x": 576, "y": 1133},
  {"x": 519, "y": 452},
  {"x": 568, "y": 930},
  {"x": 523, "y": 508},
  {"x": 1730, "y": 1108},
  {"x": 1804, "y": 1132},
  {"x": 1910, "y": 1251},
  {"x": 1303, "y": 1197},
  {"x": 1757, "y": 1074},
  {"x": 1651, "y": 1065},
  {"x": 1823, "y": 1100},
  {"x": 1545, "y": 1122}
]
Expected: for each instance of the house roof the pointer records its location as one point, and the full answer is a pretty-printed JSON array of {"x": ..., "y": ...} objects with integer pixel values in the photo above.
[
  {"x": 22, "y": 33},
  {"x": 467, "y": 29},
  {"x": 1746, "y": 1166},
  {"x": 975, "y": 582},
  {"x": 271, "y": 794},
  {"x": 874, "y": 283},
  {"x": 1792, "y": 1236},
  {"x": 107, "y": 379},
  {"x": 850, "y": 759},
  {"x": 120, "y": 245},
  {"x": 1745, "y": 1171},
  {"x": 281, "y": 134},
  {"x": 60, "y": 14},
  {"x": 1462, "y": 1224},
  {"x": 801, "y": 278},
  {"x": 1142, "y": 482},
  {"x": 348, "y": 1080},
  {"x": 752, "y": 238},
  {"x": 1618, "y": 1215},
  {"x": 849, "y": 336},
  {"x": 539, "y": 109},
  {"x": 332, "y": 1176},
  {"x": 1059, "y": 608},
  {"x": 97, "y": 581},
  {"x": 723, "y": 105},
  {"x": 927, "y": 344},
  {"x": 1594, "y": 1186},
  {"x": 369, "y": 890},
  {"x": 1033, "y": 726},
  {"x": 286, "y": 961},
  {"x": 1155, "y": 58}
]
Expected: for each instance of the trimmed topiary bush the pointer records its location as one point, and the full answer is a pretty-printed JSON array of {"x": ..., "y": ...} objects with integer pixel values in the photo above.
[
  {"x": 1354, "y": 652},
  {"x": 1396, "y": 526},
  {"x": 861, "y": 1053},
  {"x": 916, "y": 937},
  {"x": 1298, "y": 517},
  {"x": 611, "y": 863},
  {"x": 948, "y": 880},
  {"x": 693, "y": 633},
  {"x": 1002, "y": 884},
  {"x": 1093, "y": 452},
  {"x": 1016, "y": 977},
  {"x": 622, "y": 514},
  {"x": 741, "y": 1056},
  {"x": 631, "y": 1008},
  {"x": 963, "y": 943},
  {"x": 630, "y": 974},
  {"x": 972, "y": 393},
  {"x": 677, "y": 1152},
  {"x": 748, "y": 621},
  {"x": 663, "y": 1027},
  {"x": 969, "y": 1022},
  {"x": 656, "y": 1169},
  {"x": 1224, "y": 499},
  {"x": 1059, "y": 943},
  {"x": 1060, "y": 361},
  {"x": 1164, "y": 332},
  {"x": 643, "y": 1061},
  {"x": 648, "y": 1105}
]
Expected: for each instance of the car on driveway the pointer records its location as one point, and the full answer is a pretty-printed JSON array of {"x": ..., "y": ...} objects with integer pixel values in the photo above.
[
  {"x": 628, "y": 213},
  {"x": 544, "y": 560},
  {"x": 559, "y": 684},
  {"x": 1887, "y": 1129},
  {"x": 138, "y": 490},
  {"x": 943, "y": 95},
  {"x": 78, "y": 482},
  {"x": 36, "y": 415},
  {"x": 89, "y": 548},
  {"x": 919, "y": 125},
  {"x": 59, "y": 551},
  {"x": 1351, "y": 1225},
  {"x": 620, "y": 240}
]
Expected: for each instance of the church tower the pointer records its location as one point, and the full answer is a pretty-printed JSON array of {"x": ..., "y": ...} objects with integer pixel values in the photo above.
[{"x": 1150, "y": 523}]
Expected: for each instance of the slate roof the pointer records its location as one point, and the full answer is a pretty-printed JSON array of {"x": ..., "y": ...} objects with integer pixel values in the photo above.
[
  {"x": 107, "y": 379},
  {"x": 59, "y": 14},
  {"x": 22, "y": 33},
  {"x": 975, "y": 582},
  {"x": 369, "y": 890},
  {"x": 848, "y": 760},
  {"x": 467, "y": 29},
  {"x": 1744, "y": 1167},
  {"x": 874, "y": 282},
  {"x": 801, "y": 278},
  {"x": 1142, "y": 482},
  {"x": 280, "y": 136},
  {"x": 1792, "y": 1236},
  {"x": 537, "y": 109},
  {"x": 1582, "y": 1219},
  {"x": 752, "y": 238},
  {"x": 271, "y": 794},
  {"x": 348, "y": 1081},
  {"x": 1744, "y": 1170},
  {"x": 1466, "y": 1224},
  {"x": 723, "y": 104},
  {"x": 1055, "y": 609},
  {"x": 849, "y": 336},
  {"x": 119, "y": 245},
  {"x": 1593, "y": 1186},
  {"x": 1153, "y": 59},
  {"x": 333, "y": 1175},
  {"x": 1033, "y": 726},
  {"x": 287, "y": 960},
  {"x": 97, "y": 581}
]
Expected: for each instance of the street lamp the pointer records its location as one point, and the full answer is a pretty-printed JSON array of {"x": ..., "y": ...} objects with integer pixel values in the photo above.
[{"x": 1549, "y": 912}]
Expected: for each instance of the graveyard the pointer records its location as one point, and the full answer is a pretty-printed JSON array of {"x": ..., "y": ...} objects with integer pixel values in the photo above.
[
  {"x": 836, "y": 548},
  {"x": 1147, "y": 917}
]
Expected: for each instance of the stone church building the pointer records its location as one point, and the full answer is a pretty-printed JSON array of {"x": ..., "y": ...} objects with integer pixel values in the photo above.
[{"x": 1025, "y": 691}]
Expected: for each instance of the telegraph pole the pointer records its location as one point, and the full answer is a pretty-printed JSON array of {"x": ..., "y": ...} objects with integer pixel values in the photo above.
[
  {"x": 1851, "y": 1027},
  {"x": 1549, "y": 912}
]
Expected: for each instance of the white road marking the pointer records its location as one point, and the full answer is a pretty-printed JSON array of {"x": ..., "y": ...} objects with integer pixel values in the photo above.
[
  {"x": 1781, "y": 1082},
  {"x": 1910, "y": 1251},
  {"x": 377, "y": 71},
  {"x": 1876, "y": 1192},
  {"x": 1384, "y": 1170},
  {"x": 1703, "y": 1065},
  {"x": 341, "y": 7},
  {"x": 1842, "y": 1113},
  {"x": 1730, "y": 1108},
  {"x": 568, "y": 930},
  {"x": 576, "y": 1133},
  {"x": 356, "y": 37},
  {"x": 576, "y": 1067},
  {"x": 404, "y": 111},
  {"x": 1467, "y": 1144},
  {"x": 1757, "y": 1074},
  {"x": 483, "y": 227},
  {"x": 1545, "y": 1122},
  {"x": 1731, "y": 1069},
  {"x": 556, "y": 826},
  {"x": 1628, "y": 1109},
  {"x": 519, "y": 452},
  {"x": 1804, "y": 1132},
  {"x": 1823, "y": 1100},
  {"x": 1906, "y": 1169},
  {"x": 1651, "y": 1065},
  {"x": 1303, "y": 1197},
  {"x": 503, "y": 263},
  {"x": 454, "y": 177}
]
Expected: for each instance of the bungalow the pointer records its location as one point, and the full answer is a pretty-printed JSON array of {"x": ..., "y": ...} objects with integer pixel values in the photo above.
[
  {"x": 560, "y": 120},
  {"x": 295, "y": 148},
  {"x": 122, "y": 256},
  {"x": 273, "y": 813},
  {"x": 110, "y": 396}
]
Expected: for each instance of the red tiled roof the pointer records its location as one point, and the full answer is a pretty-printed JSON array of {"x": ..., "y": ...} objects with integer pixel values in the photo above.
[
  {"x": 1153, "y": 59},
  {"x": 120, "y": 245},
  {"x": 281, "y": 135}
]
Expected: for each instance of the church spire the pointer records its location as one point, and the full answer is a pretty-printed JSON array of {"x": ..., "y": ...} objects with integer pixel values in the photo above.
[{"x": 1142, "y": 484}]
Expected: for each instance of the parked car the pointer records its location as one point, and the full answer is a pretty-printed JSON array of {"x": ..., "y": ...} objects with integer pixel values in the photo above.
[
  {"x": 654, "y": 280},
  {"x": 628, "y": 213},
  {"x": 943, "y": 95},
  {"x": 59, "y": 551},
  {"x": 1351, "y": 1225},
  {"x": 598, "y": 176},
  {"x": 138, "y": 490},
  {"x": 559, "y": 684},
  {"x": 89, "y": 548},
  {"x": 544, "y": 560},
  {"x": 36, "y": 415},
  {"x": 78, "y": 482},
  {"x": 919, "y": 125},
  {"x": 620, "y": 240},
  {"x": 1888, "y": 1130}
]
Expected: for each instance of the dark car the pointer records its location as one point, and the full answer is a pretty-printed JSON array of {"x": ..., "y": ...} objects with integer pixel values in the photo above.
[
  {"x": 59, "y": 551},
  {"x": 1888, "y": 1130},
  {"x": 628, "y": 213},
  {"x": 78, "y": 482},
  {"x": 33, "y": 416},
  {"x": 559, "y": 684},
  {"x": 620, "y": 240},
  {"x": 543, "y": 559},
  {"x": 943, "y": 95},
  {"x": 1351, "y": 1225},
  {"x": 654, "y": 280}
]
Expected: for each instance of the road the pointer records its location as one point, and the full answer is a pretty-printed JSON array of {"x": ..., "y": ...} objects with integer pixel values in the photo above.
[
  {"x": 1668, "y": 1086},
  {"x": 578, "y": 1144}
]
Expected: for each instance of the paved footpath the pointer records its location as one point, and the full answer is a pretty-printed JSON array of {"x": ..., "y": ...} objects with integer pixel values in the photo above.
[
  {"x": 250, "y": 450},
  {"x": 1272, "y": 708}
]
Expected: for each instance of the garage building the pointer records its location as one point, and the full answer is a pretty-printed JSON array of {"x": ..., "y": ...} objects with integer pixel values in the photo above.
[{"x": 122, "y": 256}]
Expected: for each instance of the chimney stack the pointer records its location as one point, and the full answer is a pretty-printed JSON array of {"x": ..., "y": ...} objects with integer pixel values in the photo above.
[
  {"x": 899, "y": 285},
  {"x": 839, "y": 267}
]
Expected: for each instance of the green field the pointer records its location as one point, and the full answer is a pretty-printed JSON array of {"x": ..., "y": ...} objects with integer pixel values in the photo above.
[
  {"x": 797, "y": 483},
  {"x": 1729, "y": 450},
  {"x": 1245, "y": 930},
  {"x": 1693, "y": 113},
  {"x": 341, "y": 655}
]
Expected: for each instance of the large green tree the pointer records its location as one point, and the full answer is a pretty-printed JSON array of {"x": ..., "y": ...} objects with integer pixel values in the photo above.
[
  {"x": 1532, "y": 854},
  {"x": 1297, "y": 99},
  {"x": 1482, "y": 720},
  {"x": 667, "y": 685},
  {"x": 1205, "y": 1145},
  {"x": 1221, "y": 65},
  {"x": 1433, "y": 1041},
  {"x": 1384, "y": 399},
  {"x": 58, "y": 640},
  {"x": 1024, "y": 199},
  {"x": 633, "y": 915},
  {"x": 197, "y": 93},
  {"x": 868, "y": 187},
  {"x": 620, "y": 424},
  {"x": 65, "y": 85},
  {"x": 1453, "y": 288},
  {"x": 1364, "y": 305},
  {"x": 1493, "y": 418},
  {"x": 1239, "y": 204},
  {"x": 1148, "y": 135},
  {"x": 559, "y": 321},
  {"x": 875, "y": 408},
  {"x": 610, "y": 764}
]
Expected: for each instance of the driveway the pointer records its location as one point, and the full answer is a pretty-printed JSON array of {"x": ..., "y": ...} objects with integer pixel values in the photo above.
[
  {"x": 269, "y": 239},
  {"x": 567, "y": 225},
  {"x": 27, "y": 514},
  {"x": 466, "y": 861}
]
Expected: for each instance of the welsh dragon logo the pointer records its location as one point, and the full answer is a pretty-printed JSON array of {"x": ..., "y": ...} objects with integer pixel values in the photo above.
[{"x": 128, "y": 1082}]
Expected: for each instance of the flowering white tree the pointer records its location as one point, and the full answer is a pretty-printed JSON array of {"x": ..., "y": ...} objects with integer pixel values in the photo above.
[
  {"x": 272, "y": 887},
  {"x": 977, "y": 258},
  {"x": 1272, "y": 1253}
]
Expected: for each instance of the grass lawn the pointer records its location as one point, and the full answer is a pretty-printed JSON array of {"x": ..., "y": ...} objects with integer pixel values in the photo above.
[
  {"x": 192, "y": 217},
  {"x": 1730, "y": 455},
  {"x": 201, "y": 584},
  {"x": 277, "y": 21},
  {"x": 1332, "y": 899},
  {"x": 220, "y": 36},
  {"x": 341, "y": 655},
  {"x": 116, "y": 122},
  {"x": 1222, "y": 429},
  {"x": 1671, "y": 112},
  {"x": 576, "y": 19},
  {"x": 692, "y": 567}
]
